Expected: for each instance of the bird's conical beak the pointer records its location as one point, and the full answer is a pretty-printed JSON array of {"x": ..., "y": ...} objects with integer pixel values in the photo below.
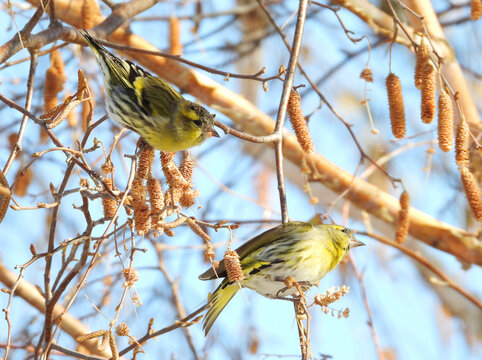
[
  {"x": 213, "y": 132},
  {"x": 355, "y": 243}
]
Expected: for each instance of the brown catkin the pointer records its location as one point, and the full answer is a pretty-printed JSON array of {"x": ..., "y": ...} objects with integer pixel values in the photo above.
[
  {"x": 188, "y": 198},
  {"x": 475, "y": 10},
  {"x": 186, "y": 168},
  {"x": 423, "y": 57},
  {"x": 428, "y": 88},
  {"x": 156, "y": 196},
  {"x": 175, "y": 36},
  {"x": 90, "y": 14},
  {"x": 142, "y": 216},
  {"x": 462, "y": 144},
  {"x": 144, "y": 163},
  {"x": 403, "y": 218},
  {"x": 395, "y": 103},
  {"x": 54, "y": 80},
  {"x": 108, "y": 203},
  {"x": 445, "y": 122},
  {"x": 142, "y": 212},
  {"x": 298, "y": 122},
  {"x": 472, "y": 192},
  {"x": 54, "y": 84},
  {"x": 173, "y": 176},
  {"x": 233, "y": 266}
]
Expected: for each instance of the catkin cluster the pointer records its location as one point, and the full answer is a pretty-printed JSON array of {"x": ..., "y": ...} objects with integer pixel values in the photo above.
[{"x": 150, "y": 203}]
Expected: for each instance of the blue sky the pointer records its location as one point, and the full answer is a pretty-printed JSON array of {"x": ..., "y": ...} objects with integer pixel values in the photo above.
[{"x": 408, "y": 315}]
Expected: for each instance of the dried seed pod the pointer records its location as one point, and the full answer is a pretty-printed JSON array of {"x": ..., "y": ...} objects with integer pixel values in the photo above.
[
  {"x": 403, "y": 218},
  {"x": 175, "y": 36},
  {"x": 4, "y": 196},
  {"x": 462, "y": 144},
  {"x": 395, "y": 103},
  {"x": 22, "y": 181},
  {"x": 445, "y": 122},
  {"x": 475, "y": 9},
  {"x": 423, "y": 57},
  {"x": 367, "y": 75},
  {"x": 472, "y": 192},
  {"x": 122, "y": 329},
  {"x": 298, "y": 122},
  {"x": 12, "y": 140},
  {"x": 131, "y": 276},
  {"x": 144, "y": 162},
  {"x": 233, "y": 266},
  {"x": 109, "y": 204},
  {"x": 428, "y": 88}
]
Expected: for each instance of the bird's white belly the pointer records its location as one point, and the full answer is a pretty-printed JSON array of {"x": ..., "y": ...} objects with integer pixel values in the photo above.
[{"x": 273, "y": 286}]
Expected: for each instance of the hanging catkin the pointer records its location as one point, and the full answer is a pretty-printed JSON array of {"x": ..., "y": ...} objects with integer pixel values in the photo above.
[
  {"x": 423, "y": 56},
  {"x": 395, "y": 103},
  {"x": 403, "y": 218},
  {"x": 445, "y": 121},
  {"x": 472, "y": 192},
  {"x": 298, "y": 122},
  {"x": 428, "y": 88},
  {"x": 475, "y": 10},
  {"x": 462, "y": 144}
]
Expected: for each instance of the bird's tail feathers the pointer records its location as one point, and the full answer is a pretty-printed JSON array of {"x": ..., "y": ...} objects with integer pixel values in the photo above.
[
  {"x": 217, "y": 302},
  {"x": 98, "y": 49}
]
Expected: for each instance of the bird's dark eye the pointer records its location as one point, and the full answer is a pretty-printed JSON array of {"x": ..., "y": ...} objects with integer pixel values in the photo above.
[
  {"x": 197, "y": 122},
  {"x": 344, "y": 230}
]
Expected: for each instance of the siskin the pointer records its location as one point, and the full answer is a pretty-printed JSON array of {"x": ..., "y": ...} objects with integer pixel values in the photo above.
[
  {"x": 302, "y": 250},
  {"x": 150, "y": 106}
]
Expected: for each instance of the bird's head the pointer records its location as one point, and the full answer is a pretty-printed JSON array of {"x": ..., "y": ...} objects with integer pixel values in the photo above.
[{"x": 197, "y": 123}]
